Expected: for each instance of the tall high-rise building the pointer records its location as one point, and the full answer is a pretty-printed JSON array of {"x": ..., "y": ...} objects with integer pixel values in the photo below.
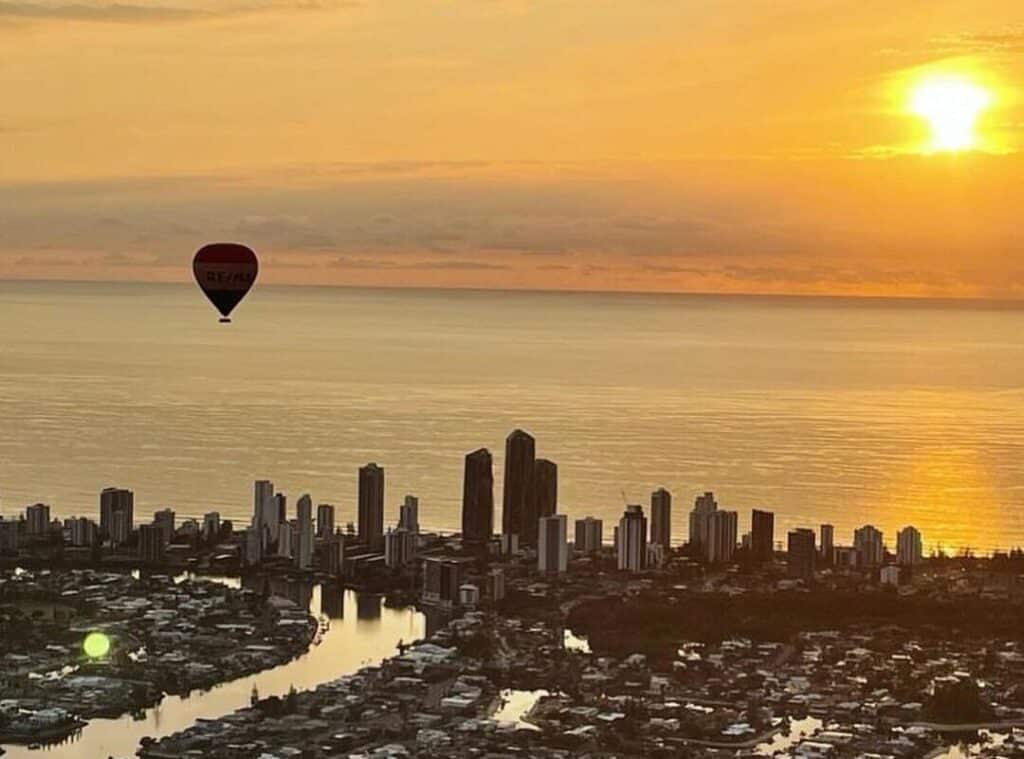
[
  {"x": 281, "y": 502},
  {"x": 800, "y": 553},
  {"x": 399, "y": 547},
  {"x": 112, "y": 501},
  {"x": 211, "y": 525},
  {"x": 589, "y": 535},
  {"x": 84, "y": 532},
  {"x": 252, "y": 545},
  {"x": 762, "y": 535},
  {"x": 478, "y": 498},
  {"x": 552, "y": 544},
  {"x": 371, "y": 506},
  {"x": 631, "y": 539},
  {"x": 152, "y": 543},
  {"x": 661, "y": 518},
  {"x": 304, "y": 517},
  {"x": 37, "y": 518},
  {"x": 721, "y": 539},
  {"x": 867, "y": 542},
  {"x": 409, "y": 514},
  {"x": 545, "y": 487},
  {"x": 284, "y": 540},
  {"x": 265, "y": 517},
  {"x": 828, "y": 543},
  {"x": 519, "y": 510},
  {"x": 165, "y": 521},
  {"x": 700, "y": 521},
  {"x": 334, "y": 554},
  {"x": 324, "y": 520},
  {"x": 908, "y": 546}
]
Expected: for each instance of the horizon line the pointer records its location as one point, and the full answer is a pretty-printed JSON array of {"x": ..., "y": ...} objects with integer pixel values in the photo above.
[{"x": 982, "y": 300}]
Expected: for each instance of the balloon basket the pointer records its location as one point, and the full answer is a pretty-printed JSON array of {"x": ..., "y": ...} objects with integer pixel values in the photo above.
[{"x": 225, "y": 320}]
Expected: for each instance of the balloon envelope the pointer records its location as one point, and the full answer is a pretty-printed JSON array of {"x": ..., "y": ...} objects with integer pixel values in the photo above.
[{"x": 225, "y": 271}]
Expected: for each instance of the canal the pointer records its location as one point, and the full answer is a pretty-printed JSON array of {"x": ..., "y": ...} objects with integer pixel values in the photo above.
[{"x": 361, "y": 630}]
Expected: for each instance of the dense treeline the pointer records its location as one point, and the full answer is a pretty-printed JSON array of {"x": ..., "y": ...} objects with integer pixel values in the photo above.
[{"x": 649, "y": 624}]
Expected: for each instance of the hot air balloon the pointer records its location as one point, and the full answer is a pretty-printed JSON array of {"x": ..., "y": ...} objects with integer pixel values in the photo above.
[{"x": 225, "y": 271}]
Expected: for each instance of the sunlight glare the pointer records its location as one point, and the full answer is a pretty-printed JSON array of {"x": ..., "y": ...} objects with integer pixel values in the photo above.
[{"x": 951, "y": 106}]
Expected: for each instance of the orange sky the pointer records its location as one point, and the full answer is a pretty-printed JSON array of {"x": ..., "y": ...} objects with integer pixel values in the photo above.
[{"x": 715, "y": 146}]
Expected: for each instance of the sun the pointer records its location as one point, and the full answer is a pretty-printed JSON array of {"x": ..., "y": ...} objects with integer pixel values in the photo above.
[{"x": 951, "y": 105}]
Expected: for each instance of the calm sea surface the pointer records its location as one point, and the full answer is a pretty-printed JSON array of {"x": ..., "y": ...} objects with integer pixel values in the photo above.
[{"x": 823, "y": 410}]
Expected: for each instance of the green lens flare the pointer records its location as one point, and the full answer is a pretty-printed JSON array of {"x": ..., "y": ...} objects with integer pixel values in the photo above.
[{"x": 96, "y": 645}]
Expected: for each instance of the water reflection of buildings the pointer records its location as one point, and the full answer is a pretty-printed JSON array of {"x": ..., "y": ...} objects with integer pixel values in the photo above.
[
  {"x": 368, "y": 606},
  {"x": 332, "y": 601},
  {"x": 297, "y": 591}
]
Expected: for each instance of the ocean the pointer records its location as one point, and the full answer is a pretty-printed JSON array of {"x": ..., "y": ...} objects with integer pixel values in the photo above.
[{"x": 830, "y": 410}]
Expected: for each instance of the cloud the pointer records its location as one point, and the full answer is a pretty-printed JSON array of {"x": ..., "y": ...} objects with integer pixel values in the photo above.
[
  {"x": 132, "y": 13},
  {"x": 391, "y": 264}
]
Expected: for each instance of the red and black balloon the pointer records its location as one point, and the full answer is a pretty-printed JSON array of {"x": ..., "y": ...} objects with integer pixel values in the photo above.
[{"x": 225, "y": 271}]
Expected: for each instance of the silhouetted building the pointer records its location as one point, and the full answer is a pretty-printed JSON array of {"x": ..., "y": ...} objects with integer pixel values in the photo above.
[
  {"x": 324, "y": 520},
  {"x": 867, "y": 541},
  {"x": 211, "y": 525},
  {"x": 409, "y": 514},
  {"x": 908, "y": 546},
  {"x": 661, "y": 518},
  {"x": 280, "y": 507},
  {"x": 762, "y": 536},
  {"x": 265, "y": 516},
  {"x": 252, "y": 546},
  {"x": 371, "y": 506},
  {"x": 114, "y": 501},
  {"x": 800, "y": 553},
  {"x": 84, "y": 532},
  {"x": 700, "y": 521},
  {"x": 37, "y": 519},
  {"x": 631, "y": 540},
  {"x": 721, "y": 538},
  {"x": 552, "y": 544},
  {"x": 545, "y": 487},
  {"x": 165, "y": 520},
  {"x": 284, "y": 540},
  {"x": 589, "y": 535},
  {"x": 10, "y": 535},
  {"x": 399, "y": 547},
  {"x": 151, "y": 543},
  {"x": 304, "y": 518},
  {"x": 333, "y": 554},
  {"x": 519, "y": 510},
  {"x": 478, "y": 498},
  {"x": 441, "y": 580},
  {"x": 828, "y": 543}
]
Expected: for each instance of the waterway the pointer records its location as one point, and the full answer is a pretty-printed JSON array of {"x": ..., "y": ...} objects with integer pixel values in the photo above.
[{"x": 362, "y": 630}]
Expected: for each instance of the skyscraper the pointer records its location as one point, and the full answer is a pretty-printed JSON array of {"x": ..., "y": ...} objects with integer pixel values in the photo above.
[
  {"x": 827, "y": 543},
  {"x": 552, "y": 544},
  {"x": 661, "y": 518},
  {"x": 908, "y": 546},
  {"x": 519, "y": 512},
  {"x": 265, "y": 516},
  {"x": 478, "y": 497},
  {"x": 211, "y": 525},
  {"x": 700, "y": 521},
  {"x": 631, "y": 539},
  {"x": 721, "y": 540},
  {"x": 165, "y": 521},
  {"x": 589, "y": 535},
  {"x": 800, "y": 552},
  {"x": 112, "y": 501},
  {"x": 37, "y": 518},
  {"x": 304, "y": 511},
  {"x": 399, "y": 547},
  {"x": 762, "y": 536},
  {"x": 281, "y": 500},
  {"x": 371, "y": 506},
  {"x": 409, "y": 514},
  {"x": 324, "y": 520},
  {"x": 867, "y": 541},
  {"x": 152, "y": 543},
  {"x": 545, "y": 487}
]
